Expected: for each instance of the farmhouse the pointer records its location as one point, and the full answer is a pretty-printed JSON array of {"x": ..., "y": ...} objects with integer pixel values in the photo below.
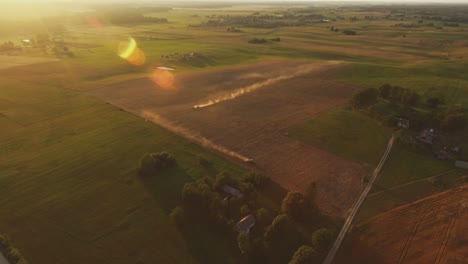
[
  {"x": 232, "y": 191},
  {"x": 246, "y": 223}
]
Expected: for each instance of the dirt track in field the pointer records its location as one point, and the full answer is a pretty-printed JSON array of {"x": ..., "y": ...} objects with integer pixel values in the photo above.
[
  {"x": 254, "y": 125},
  {"x": 433, "y": 230}
]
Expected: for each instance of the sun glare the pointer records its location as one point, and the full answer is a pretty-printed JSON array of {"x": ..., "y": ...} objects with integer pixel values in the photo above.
[{"x": 129, "y": 51}]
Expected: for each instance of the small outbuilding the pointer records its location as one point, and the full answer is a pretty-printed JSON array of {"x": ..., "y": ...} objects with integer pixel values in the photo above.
[
  {"x": 246, "y": 223},
  {"x": 427, "y": 136},
  {"x": 232, "y": 191}
]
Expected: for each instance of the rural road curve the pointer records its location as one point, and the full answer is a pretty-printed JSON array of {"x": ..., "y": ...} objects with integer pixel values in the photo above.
[{"x": 357, "y": 205}]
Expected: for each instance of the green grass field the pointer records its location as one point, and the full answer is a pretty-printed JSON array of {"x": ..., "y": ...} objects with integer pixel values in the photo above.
[{"x": 348, "y": 133}]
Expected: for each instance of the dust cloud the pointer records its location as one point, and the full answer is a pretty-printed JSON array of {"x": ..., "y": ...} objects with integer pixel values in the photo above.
[
  {"x": 250, "y": 88},
  {"x": 190, "y": 135}
]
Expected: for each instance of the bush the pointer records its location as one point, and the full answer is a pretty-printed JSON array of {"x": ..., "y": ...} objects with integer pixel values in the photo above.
[
  {"x": 349, "y": 32},
  {"x": 294, "y": 206},
  {"x": 257, "y": 41},
  {"x": 257, "y": 179},
  {"x": 154, "y": 163},
  {"x": 304, "y": 255},
  {"x": 322, "y": 240}
]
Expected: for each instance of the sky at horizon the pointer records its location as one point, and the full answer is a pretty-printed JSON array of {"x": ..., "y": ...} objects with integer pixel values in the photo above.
[{"x": 225, "y": 1}]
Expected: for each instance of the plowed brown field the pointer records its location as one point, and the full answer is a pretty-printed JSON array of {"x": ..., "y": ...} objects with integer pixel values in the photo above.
[
  {"x": 261, "y": 101},
  {"x": 433, "y": 230}
]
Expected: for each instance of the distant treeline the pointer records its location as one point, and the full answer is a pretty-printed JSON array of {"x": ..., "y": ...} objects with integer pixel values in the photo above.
[
  {"x": 451, "y": 13},
  {"x": 286, "y": 19},
  {"x": 131, "y": 17}
]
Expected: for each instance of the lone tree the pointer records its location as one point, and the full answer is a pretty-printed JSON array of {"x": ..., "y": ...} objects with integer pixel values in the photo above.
[
  {"x": 294, "y": 206},
  {"x": 304, "y": 255},
  {"x": 365, "y": 98},
  {"x": 322, "y": 239}
]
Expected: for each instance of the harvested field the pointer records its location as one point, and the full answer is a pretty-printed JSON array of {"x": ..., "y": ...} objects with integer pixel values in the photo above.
[
  {"x": 15, "y": 61},
  {"x": 278, "y": 94},
  {"x": 431, "y": 230}
]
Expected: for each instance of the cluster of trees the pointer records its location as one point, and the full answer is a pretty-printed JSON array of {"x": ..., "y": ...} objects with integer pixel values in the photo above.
[
  {"x": 272, "y": 239},
  {"x": 152, "y": 164},
  {"x": 12, "y": 254},
  {"x": 233, "y": 29},
  {"x": 404, "y": 101},
  {"x": 132, "y": 17},
  {"x": 349, "y": 32},
  {"x": 346, "y": 31},
  {"x": 263, "y": 21},
  {"x": 399, "y": 94},
  {"x": 8, "y": 46},
  {"x": 283, "y": 240},
  {"x": 262, "y": 40},
  {"x": 62, "y": 51},
  {"x": 205, "y": 201},
  {"x": 395, "y": 94}
]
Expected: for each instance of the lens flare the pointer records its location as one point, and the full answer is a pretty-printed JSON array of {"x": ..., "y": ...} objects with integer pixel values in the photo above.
[
  {"x": 94, "y": 22},
  {"x": 130, "y": 52},
  {"x": 163, "y": 78}
]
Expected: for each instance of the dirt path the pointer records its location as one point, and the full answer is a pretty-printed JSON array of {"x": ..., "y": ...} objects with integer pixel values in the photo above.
[{"x": 357, "y": 205}]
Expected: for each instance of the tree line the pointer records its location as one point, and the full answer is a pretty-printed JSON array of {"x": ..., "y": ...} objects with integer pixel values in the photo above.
[{"x": 405, "y": 101}]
